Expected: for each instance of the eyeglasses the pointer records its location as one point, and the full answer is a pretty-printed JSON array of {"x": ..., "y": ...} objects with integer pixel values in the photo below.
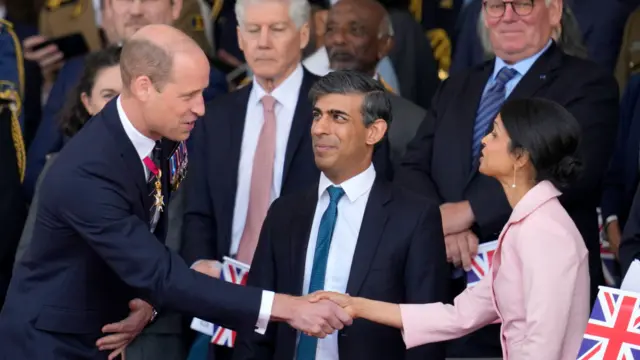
[{"x": 496, "y": 8}]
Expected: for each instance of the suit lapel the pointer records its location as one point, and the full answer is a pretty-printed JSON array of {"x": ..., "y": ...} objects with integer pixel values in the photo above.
[
  {"x": 128, "y": 153},
  {"x": 541, "y": 73},
  {"x": 299, "y": 237},
  {"x": 371, "y": 232},
  {"x": 237, "y": 114},
  {"x": 301, "y": 125}
]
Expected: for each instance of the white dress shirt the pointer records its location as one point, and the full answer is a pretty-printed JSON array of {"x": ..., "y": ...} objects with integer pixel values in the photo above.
[
  {"x": 286, "y": 96},
  {"x": 144, "y": 146},
  {"x": 343, "y": 243}
]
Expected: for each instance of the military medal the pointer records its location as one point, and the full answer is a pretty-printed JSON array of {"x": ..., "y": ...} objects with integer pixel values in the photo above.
[
  {"x": 178, "y": 165},
  {"x": 159, "y": 198}
]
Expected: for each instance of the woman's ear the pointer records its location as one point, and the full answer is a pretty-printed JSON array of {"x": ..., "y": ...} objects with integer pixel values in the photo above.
[{"x": 86, "y": 103}]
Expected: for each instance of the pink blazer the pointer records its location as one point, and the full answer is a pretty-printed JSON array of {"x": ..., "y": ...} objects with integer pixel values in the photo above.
[{"x": 538, "y": 288}]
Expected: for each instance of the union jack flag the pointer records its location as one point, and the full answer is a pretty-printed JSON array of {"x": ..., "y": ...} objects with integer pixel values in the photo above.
[
  {"x": 235, "y": 272},
  {"x": 481, "y": 264},
  {"x": 613, "y": 331}
]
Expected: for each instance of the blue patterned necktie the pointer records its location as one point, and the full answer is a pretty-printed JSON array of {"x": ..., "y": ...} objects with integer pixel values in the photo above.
[
  {"x": 307, "y": 344},
  {"x": 489, "y": 106}
]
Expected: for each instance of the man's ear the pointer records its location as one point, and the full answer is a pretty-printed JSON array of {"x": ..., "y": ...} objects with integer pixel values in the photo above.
[
  {"x": 320, "y": 22},
  {"x": 304, "y": 35},
  {"x": 385, "y": 44},
  {"x": 176, "y": 8},
  {"x": 142, "y": 87},
  {"x": 376, "y": 131}
]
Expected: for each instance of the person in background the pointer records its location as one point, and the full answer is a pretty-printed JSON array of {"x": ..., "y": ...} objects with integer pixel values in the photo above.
[
  {"x": 532, "y": 152},
  {"x": 358, "y": 35},
  {"x": 442, "y": 160},
  {"x": 412, "y": 56},
  {"x": 123, "y": 18},
  {"x": 623, "y": 175}
]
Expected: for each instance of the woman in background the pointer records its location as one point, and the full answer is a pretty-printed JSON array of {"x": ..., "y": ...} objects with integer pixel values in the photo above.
[
  {"x": 100, "y": 82},
  {"x": 538, "y": 285}
]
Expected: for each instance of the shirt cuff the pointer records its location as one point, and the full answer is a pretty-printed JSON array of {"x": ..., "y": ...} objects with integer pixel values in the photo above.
[
  {"x": 265, "y": 311},
  {"x": 610, "y": 218}
]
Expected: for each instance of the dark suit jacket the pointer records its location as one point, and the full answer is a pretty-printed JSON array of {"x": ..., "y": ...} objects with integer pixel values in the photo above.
[
  {"x": 92, "y": 252},
  {"x": 438, "y": 161},
  {"x": 630, "y": 244},
  {"x": 399, "y": 258},
  {"x": 210, "y": 188},
  {"x": 621, "y": 180},
  {"x": 406, "y": 119}
]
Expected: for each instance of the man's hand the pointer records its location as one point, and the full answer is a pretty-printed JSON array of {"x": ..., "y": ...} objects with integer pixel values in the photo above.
[
  {"x": 49, "y": 57},
  {"x": 343, "y": 300},
  {"x": 613, "y": 236},
  {"x": 456, "y": 217},
  {"x": 127, "y": 329},
  {"x": 315, "y": 319},
  {"x": 461, "y": 248},
  {"x": 208, "y": 267}
]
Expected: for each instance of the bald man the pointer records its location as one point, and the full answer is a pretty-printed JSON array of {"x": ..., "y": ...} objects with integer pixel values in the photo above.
[{"x": 97, "y": 250}]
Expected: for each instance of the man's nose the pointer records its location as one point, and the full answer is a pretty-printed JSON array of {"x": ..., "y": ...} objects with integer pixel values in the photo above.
[{"x": 198, "y": 107}]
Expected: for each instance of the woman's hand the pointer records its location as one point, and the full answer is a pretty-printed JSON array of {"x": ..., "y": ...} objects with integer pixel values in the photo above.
[{"x": 343, "y": 300}]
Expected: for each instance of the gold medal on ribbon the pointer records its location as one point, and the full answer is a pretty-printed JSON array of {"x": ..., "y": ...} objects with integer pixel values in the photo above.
[{"x": 159, "y": 199}]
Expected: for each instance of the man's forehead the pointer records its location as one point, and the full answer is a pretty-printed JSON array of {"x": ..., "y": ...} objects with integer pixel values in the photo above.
[{"x": 346, "y": 103}]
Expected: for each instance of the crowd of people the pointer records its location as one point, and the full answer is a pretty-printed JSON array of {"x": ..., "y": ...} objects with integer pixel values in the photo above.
[{"x": 355, "y": 155}]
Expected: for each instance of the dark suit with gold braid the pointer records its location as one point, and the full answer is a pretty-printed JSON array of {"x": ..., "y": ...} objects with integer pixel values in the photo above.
[{"x": 13, "y": 207}]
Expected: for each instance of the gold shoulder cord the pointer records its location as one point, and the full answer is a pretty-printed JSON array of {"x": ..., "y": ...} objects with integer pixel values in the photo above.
[{"x": 16, "y": 103}]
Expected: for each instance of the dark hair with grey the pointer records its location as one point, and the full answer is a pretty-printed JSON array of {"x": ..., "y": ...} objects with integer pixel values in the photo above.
[{"x": 376, "y": 103}]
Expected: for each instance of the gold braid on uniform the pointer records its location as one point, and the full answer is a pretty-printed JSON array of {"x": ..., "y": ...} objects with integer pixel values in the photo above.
[
  {"x": 15, "y": 105},
  {"x": 217, "y": 7},
  {"x": 386, "y": 85}
]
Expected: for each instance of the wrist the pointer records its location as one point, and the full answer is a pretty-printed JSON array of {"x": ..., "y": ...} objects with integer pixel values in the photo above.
[
  {"x": 358, "y": 306},
  {"x": 283, "y": 307}
]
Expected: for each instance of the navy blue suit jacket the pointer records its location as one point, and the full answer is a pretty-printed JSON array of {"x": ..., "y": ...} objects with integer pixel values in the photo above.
[
  {"x": 92, "y": 252},
  {"x": 622, "y": 176},
  {"x": 210, "y": 188},
  {"x": 399, "y": 258},
  {"x": 49, "y": 137}
]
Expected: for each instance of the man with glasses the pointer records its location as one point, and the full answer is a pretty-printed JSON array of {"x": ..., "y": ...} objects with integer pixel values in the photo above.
[{"x": 442, "y": 160}]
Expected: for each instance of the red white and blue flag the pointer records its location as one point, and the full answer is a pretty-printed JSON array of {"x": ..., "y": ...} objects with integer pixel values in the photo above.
[
  {"x": 481, "y": 263},
  {"x": 613, "y": 331},
  {"x": 235, "y": 272}
]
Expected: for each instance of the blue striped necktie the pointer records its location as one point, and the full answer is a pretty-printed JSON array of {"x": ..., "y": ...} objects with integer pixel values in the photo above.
[
  {"x": 308, "y": 344},
  {"x": 489, "y": 106}
]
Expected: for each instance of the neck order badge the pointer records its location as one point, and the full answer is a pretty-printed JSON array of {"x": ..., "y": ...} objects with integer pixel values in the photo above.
[{"x": 159, "y": 198}]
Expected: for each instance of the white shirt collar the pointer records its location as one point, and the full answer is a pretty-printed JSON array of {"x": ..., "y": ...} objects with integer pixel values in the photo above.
[
  {"x": 144, "y": 145},
  {"x": 3, "y": 12},
  {"x": 286, "y": 94},
  {"x": 354, "y": 187}
]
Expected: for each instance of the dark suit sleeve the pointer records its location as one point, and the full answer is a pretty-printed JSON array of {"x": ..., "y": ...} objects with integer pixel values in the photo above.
[
  {"x": 99, "y": 210},
  {"x": 427, "y": 273},
  {"x": 595, "y": 106},
  {"x": 613, "y": 185},
  {"x": 199, "y": 222},
  {"x": 250, "y": 345},
  {"x": 630, "y": 244},
  {"x": 414, "y": 172}
]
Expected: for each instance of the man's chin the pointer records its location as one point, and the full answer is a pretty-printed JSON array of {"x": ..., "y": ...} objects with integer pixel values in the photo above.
[{"x": 343, "y": 65}]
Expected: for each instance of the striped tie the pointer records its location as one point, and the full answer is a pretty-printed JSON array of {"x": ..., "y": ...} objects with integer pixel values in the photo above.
[{"x": 489, "y": 106}]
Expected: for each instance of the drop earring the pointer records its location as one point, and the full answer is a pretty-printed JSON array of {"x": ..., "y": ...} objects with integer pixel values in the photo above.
[{"x": 513, "y": 185}]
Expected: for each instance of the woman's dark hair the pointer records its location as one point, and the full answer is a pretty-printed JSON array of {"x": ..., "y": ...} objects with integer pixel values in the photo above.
[
  {"x": 549, "y": 134},
  {"x": 74, "y": 114}
]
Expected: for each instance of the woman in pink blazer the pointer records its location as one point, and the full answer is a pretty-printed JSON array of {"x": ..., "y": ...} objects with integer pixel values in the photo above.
[{"x": 538, "y": 285}]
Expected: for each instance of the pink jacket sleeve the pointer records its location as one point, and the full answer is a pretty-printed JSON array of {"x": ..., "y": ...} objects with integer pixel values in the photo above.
[{"x": 428, "y": 323}]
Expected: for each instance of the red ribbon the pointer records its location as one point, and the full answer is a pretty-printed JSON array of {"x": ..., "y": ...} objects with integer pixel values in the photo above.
[{"x": 151, "y": 165}]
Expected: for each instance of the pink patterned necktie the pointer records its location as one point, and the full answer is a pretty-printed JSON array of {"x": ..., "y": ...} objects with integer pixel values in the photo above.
[{"x": 261, "y": 181}]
